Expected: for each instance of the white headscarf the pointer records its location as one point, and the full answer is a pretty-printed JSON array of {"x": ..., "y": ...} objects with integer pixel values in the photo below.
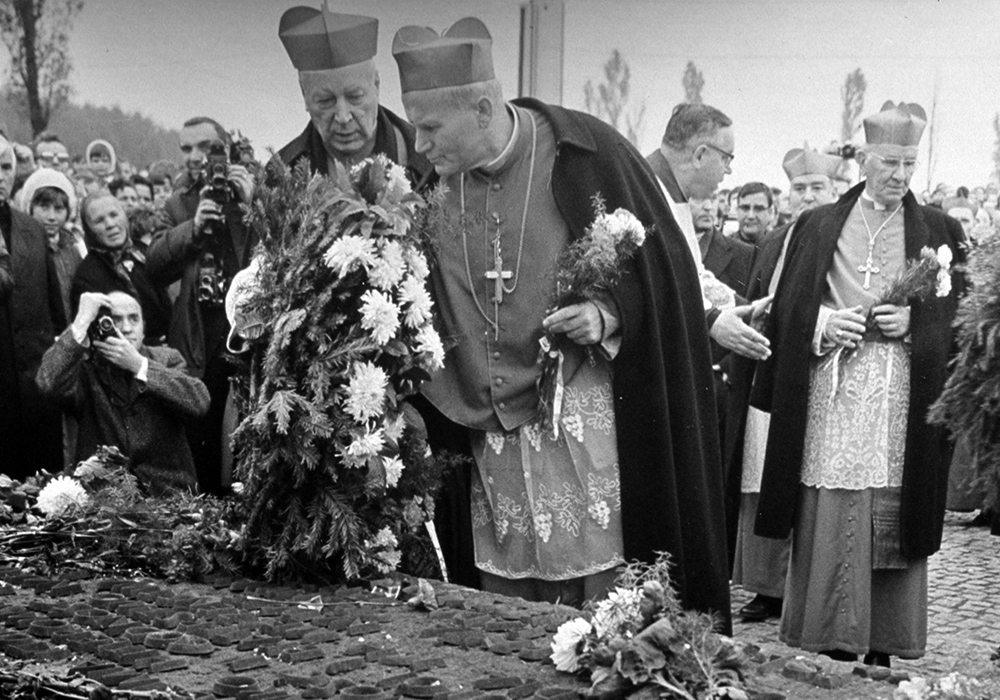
[{"x": 46, "y": 177}]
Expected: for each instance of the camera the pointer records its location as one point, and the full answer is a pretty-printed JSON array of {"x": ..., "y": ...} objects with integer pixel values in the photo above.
[
  {"x": 847, "y": 151},
  {"x": 212, "y": 285},
  {"x": 103, "y": 326},
  {"x": 216, "y": 174}
]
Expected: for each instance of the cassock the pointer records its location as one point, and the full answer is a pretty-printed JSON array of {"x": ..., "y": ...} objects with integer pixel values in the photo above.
[
  {"x": 661, "y": 407},
  {"x": 851, "y": 466}
]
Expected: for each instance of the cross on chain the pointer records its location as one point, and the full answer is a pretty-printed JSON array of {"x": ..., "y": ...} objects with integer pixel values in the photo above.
[
  {"x": 869, "y": 269},
  {"x": 497, "y": 275}
]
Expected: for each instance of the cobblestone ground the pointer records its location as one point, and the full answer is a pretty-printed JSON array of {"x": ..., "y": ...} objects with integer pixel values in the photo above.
[{"x": 963, "y": 601}]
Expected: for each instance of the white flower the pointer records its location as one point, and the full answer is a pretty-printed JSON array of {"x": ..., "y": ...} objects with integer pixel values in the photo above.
[
  {"x": 429, "y": 341},
  {"x": 367, "y": 444},
  {"x": 348, "y": 252},
  {"x": 618, "y": 612},
  {"x": 417, "y": 263},
  {"x": 383, "y": 538},
  {"x": 387, "y": 560},
  {"x": 944, "y": 256},
  {"x": 566, "y": 644},
  {"x": 413, "y": 294},
  {"x": 399, "y": 184},
  {"x": 626, "y": 226},
  {"x": 62, "y": 495},
  {"x": 366, "y": 391},
  {"x": 394, "y": 427},
  {"x": 915, "y": 689},
  {"x": 943, "y": 283},
  {"x": 388, "y": 268},
  {"x": 393, "y": 470},
  {"x": 379, "y": 315}
]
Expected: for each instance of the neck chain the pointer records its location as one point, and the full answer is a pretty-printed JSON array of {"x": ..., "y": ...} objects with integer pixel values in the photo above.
[
  {"x": 497, "y": 274},
  {"x": 869, "y": 267}
]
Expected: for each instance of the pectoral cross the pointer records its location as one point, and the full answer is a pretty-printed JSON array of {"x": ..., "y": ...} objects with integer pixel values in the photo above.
[
  {"x": 498, "y": 275},
  {"x": 869, "y": 269}
]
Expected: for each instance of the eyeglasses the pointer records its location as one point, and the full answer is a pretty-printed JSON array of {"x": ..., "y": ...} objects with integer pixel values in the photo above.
[
  {"x": 893, "y": 164},
  {"x": 727, "y": 157}
]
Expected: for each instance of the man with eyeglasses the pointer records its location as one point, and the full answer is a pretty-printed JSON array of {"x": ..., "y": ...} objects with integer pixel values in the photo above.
[
  {"x": 852, "y": 469},
  {"x": 50, "y": 152},
  {"x": 692, "y": 160}
]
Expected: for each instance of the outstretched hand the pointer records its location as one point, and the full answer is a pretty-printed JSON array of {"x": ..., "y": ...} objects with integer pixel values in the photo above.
[{"x": 732, "y": 332}]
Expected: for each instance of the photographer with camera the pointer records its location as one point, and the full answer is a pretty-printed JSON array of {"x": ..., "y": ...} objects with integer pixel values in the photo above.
[
  {"x": 201, "y": 240},
  {"x": 124, "y": 393}
]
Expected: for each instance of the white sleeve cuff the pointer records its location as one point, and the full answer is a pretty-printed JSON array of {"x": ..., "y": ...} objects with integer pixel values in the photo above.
[{"x": 143, "y": 374}]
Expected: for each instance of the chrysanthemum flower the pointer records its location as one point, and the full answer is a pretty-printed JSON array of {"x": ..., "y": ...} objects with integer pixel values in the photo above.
[
  {"x": 414, "y": 296},
  {"x": 62, "y": 495},
  {"x": 566, "y": 644},
  {"x": 429, "y": 341},
  {"x": 347, "y": 253},
  {"x": 389, "y": 266},
  {"x": 367, "y": 444},
  {"x": 417, "y": 263},
  {"x": 379, "y": 315},
  {"x": 366, "y": 391},
  {"x": 393, "y": 470}
]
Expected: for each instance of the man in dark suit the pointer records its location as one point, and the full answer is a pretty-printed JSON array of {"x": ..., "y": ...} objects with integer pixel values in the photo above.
[
  {"x": 126, "y": 394},
  {"x": 30, "y": 317}
]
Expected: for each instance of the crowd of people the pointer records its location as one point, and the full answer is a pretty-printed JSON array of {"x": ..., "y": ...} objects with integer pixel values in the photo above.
[{"x": 743, "y": 398}]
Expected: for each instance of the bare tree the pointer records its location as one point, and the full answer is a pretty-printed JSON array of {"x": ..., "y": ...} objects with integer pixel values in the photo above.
[
  {"x": 853, "y": 96},
  {"x": 693, "y": 81},
  {"x": 36, "y": 33},
  {"x": 608, "y": 100}
]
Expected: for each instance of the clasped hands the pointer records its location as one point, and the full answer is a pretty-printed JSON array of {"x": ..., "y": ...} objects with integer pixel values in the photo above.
[
  {"x": 581, "y": 323},
  {"x": 845, "y": 327}
]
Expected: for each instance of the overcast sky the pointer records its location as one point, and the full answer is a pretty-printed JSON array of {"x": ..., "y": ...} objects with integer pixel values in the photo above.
[{"x": 776, "y": 67}]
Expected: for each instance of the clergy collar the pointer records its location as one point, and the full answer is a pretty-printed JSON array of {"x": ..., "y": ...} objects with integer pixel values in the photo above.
[
  {"x": 500, "y": 163},
  {"x": 878, "y": 206}
]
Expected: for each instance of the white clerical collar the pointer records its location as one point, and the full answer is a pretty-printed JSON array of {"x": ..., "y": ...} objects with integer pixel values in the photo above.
[
  {"x": 498, "y": 162},
  {"x": 878, "y": 206}
]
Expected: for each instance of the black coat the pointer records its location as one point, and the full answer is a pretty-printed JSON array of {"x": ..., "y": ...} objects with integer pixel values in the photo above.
[
  {"x": 782, "y": 385},
  {"x": 668, "y": 451},
  {"x": 389, "y": 127},
  {"x": 96, "y": 274}
]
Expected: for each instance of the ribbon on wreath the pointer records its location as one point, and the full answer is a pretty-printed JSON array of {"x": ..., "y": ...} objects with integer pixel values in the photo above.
[{"x": 553, "y": 404}]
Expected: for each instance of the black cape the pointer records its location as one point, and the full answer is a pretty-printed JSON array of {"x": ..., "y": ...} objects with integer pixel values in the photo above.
[
  {"x": 782, "y": 385},
  {"x": 668, "y": 449}
]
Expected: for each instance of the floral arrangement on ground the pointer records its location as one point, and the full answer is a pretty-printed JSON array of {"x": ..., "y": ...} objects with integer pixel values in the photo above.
[
  {"x": 640, "y": 643},
  {"x": 99, "y": 519},
  {"x": 338, "y": 481}
]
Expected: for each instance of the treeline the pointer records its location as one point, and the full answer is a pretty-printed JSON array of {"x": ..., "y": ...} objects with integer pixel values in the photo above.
[{"x": 136, "y": 138}]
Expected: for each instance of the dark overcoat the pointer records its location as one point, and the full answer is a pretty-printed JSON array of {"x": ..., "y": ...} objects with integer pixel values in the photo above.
[
  {"x": 668, "y": 450},
  {"x": 782, "y": 385}
]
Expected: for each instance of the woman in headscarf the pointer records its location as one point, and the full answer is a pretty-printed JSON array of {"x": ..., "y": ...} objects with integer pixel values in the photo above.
[{"x": 113, "y": 264}]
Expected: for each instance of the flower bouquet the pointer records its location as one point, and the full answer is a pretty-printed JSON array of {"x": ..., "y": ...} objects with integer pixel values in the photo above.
[
  {"x": 639, "y": 640},
  {"x": 332, "y": 465},
  {"x": 589, "y": 267},
  {"x": 928, "y": 274}
]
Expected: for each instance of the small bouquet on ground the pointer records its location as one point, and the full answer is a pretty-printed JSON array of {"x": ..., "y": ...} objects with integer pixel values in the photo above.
[
  {"x": 588, "y": 268},
  {"x": 954, "y": 686},
  {"x": 639, "y": 640},
  {"x": 334, "y": 467},
  {"x": 928, "y": 274}
]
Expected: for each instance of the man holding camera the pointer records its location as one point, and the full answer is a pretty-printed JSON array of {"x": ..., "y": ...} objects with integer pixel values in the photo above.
[
  {"x": 203, "y": 242},
  {"x": 333, "y": 54},
  {"x": 123, "y": 393}
]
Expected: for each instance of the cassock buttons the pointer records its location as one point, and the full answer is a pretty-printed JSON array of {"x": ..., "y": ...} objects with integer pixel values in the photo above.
[
  {"x": 498, "y": 381},
  {"x": 496, "y": 355},
  {"x": 496, "y": 186},
  {"x": 502, "y": 405}
]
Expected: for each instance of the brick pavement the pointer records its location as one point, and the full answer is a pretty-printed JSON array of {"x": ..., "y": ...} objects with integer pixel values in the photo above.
[{"x": 963, "y": 606}]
